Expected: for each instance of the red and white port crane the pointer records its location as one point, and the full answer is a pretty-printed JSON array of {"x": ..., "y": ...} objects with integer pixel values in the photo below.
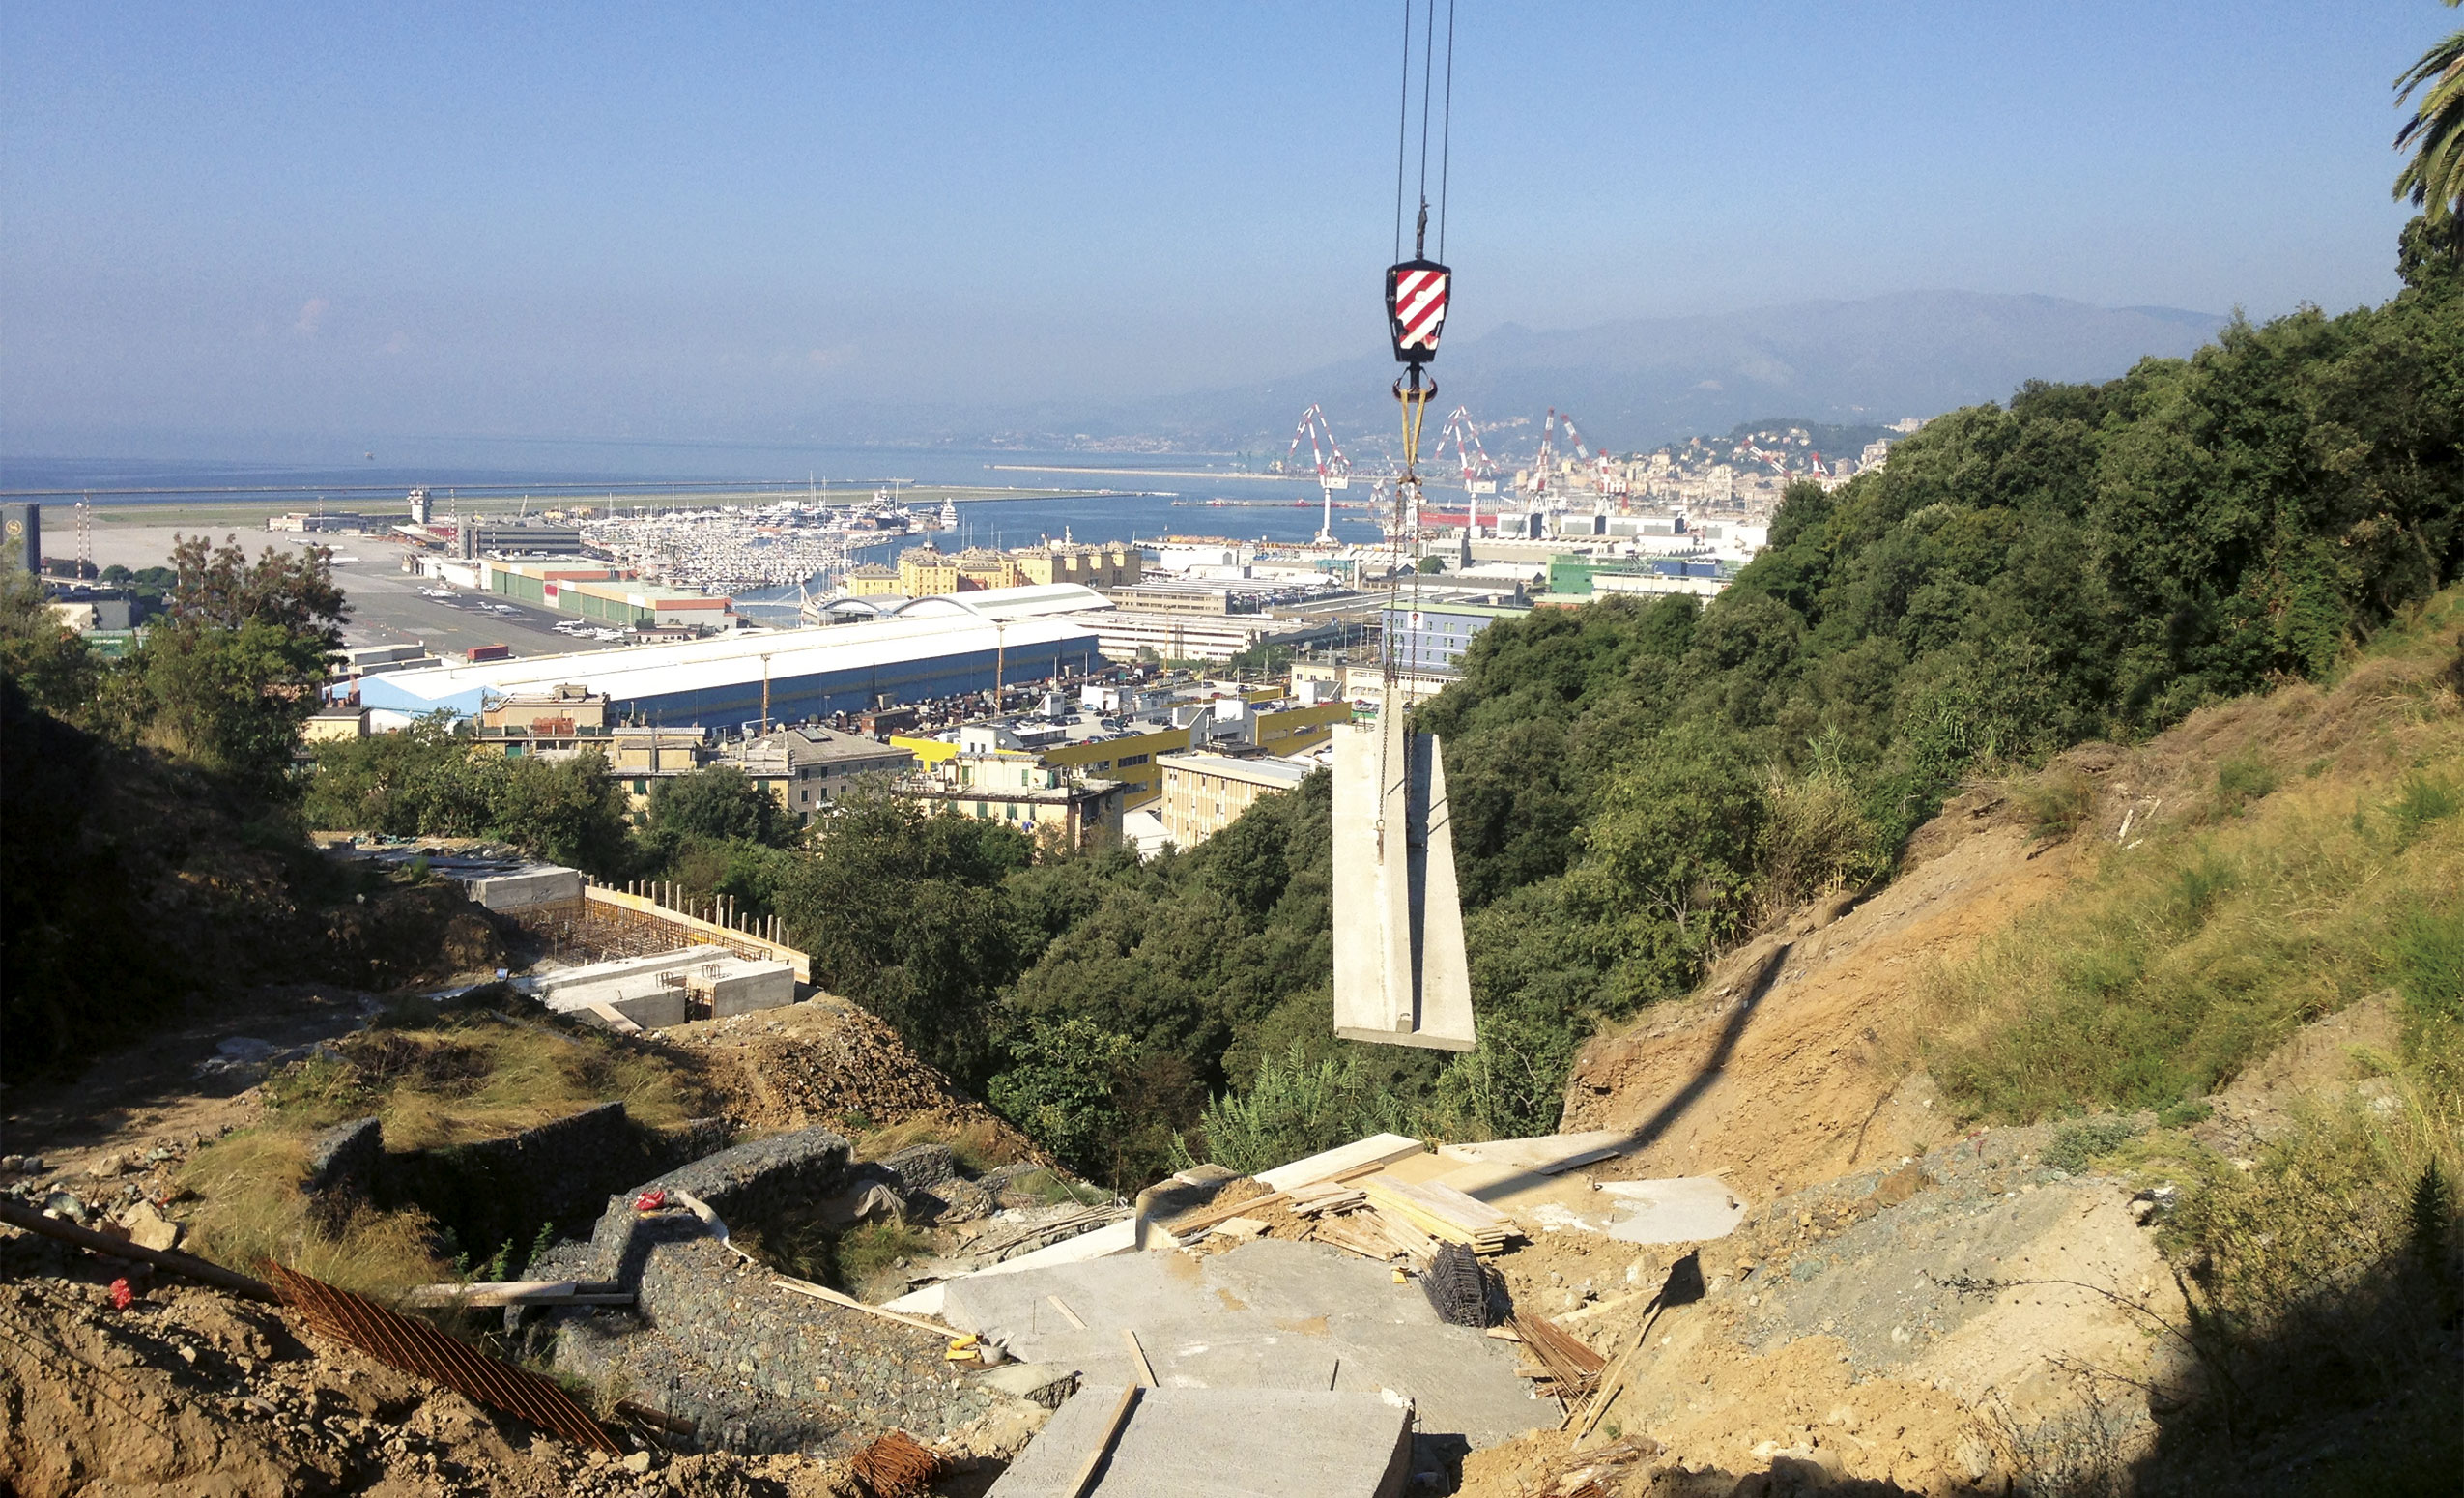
[
  {"x": 1478, "y": 471},
  {"x": 1604, "y": 472},
  {"x": 1333, "y": 468}
]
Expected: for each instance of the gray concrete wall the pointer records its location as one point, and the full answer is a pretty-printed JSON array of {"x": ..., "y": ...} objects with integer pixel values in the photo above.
[
  {"x": 527, "y": 891},
  {"x": 759, "y": 985}
]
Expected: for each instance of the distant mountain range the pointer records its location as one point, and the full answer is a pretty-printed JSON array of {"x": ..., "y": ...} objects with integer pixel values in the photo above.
[{"x": 1636, "y": 383}]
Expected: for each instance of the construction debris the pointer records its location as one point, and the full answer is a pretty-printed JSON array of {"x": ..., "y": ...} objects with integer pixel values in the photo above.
[
  {"x": 1457, "y": 1287},
  {"x": 897, "y": 1466},
  {"x": 416, "y": 1347},
  {"x": 1573, "y": 1369}
]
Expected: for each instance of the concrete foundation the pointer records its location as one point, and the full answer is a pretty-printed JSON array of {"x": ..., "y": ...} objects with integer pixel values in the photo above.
[
  {"x": 644, "y": 989},
  {"x": 1267, "y": 1315},
  {"x": 1219, "y": 1442}
]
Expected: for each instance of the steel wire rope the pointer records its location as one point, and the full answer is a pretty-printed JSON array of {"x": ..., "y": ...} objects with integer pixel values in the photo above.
[{"x": 1445, "y": 118}]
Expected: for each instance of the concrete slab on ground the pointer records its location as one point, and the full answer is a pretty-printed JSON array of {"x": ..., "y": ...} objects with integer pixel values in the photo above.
[
  {"x": 1272, "y": 1313},
  {"x": 1681, "y": 1209},
  {"x": 1219, "y": 1442}
]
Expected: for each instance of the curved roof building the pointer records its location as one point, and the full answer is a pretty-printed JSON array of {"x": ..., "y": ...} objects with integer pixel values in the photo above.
[{"x": 936, "y": 646}]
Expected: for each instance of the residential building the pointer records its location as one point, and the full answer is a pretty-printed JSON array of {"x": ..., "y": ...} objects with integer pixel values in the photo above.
[
  {"x": 1117, "y": 565},
  {"x": 871, "y": 580},
  {"x": 808, "y": 768},
  {"x": 561, "y": 712},
  {"x": 1203, "y": 793},
  {"x": 330, "y": 723},
  {"x": 1122, "y": 735},
  {"x": 1041, "y": 800}
]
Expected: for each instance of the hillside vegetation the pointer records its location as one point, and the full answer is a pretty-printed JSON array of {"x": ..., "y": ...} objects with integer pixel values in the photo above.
[{"x": 1636, "y": 784}]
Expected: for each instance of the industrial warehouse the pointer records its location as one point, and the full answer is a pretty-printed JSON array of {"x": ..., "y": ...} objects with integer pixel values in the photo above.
[{"x": 931, "y": 648}]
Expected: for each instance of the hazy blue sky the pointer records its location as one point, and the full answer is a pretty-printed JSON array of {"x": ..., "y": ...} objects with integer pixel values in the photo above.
[{"x": 735, "y": 220}]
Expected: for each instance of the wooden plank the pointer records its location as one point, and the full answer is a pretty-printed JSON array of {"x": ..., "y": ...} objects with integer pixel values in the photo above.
[
  {"x": 1378, "y": 1149},
  {"x": 1572, "y": 1368},
  {"x": 1137, "y": 1357},
  {"x": 1082, "y": 1484},
  {"x": 1067, "y": 1314},
  {"x": 18, "y": 1215},
  {"x": 1440, "y": 1200},
  {"x": 824, "y": 1292},
  {"x": 1544, "y": 1154},
  {"x": 518, "y": 1292}
]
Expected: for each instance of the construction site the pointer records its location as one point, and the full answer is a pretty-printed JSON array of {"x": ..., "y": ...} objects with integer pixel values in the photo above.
[{"x": 765, "y": 1249}]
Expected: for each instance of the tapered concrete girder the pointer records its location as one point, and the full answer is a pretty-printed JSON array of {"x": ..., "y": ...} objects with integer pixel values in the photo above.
[{"x": 1400, "y": 978}]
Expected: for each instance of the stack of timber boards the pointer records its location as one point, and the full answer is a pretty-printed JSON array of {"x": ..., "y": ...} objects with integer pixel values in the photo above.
[
  {"x": 1442, "y": 1212},
  {"x": 1323, "y": 1197}
]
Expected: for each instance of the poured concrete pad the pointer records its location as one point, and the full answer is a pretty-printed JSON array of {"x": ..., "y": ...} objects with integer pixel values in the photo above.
[
  {"x": 1269, "y": 1315},
  {"x": 1683, "y": 1209},
  {"x": 1219, "y": 1442}
]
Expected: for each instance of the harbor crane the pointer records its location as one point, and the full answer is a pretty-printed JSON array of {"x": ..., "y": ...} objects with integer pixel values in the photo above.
[
  {"x": 1333, "y": 472},
  {"x": 1480, "y": 472}
]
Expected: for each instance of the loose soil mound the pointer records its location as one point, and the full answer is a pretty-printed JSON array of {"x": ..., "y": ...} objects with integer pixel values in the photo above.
[{"x": 830, "y": 1062}]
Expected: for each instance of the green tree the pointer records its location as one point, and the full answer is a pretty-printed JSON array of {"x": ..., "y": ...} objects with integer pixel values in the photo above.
[
  {"x": 902, "y": 909},
  {"x": 44, "y": 657},
  {"x": 722, "y": 803},
  {"x": 225, "y": 679},
  {"x": 1059, "y": 1089}
]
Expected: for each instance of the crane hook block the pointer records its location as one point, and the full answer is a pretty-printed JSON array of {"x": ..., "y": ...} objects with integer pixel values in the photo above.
[{"x": 1416, "y": 293}]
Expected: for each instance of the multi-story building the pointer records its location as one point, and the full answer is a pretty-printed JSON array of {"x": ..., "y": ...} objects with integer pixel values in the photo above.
[
  {"x": 1091, "y": 566},
  {"x": 871, "y": 580},
  {"x": 809, "y": 768},
  {"x": 1123, "y": 736},
  {"x": 1203, "y": 793},
  {"x": 1434, "y": 636},
  {"x": 1040, "y": 799}
]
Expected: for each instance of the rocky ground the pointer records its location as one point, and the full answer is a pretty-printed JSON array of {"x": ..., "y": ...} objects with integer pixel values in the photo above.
[{"x": 190, "y": 1390}]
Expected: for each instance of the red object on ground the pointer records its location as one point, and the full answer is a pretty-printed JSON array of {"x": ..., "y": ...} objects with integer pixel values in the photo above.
[
  {"x": 488, "y": 653},
  {"x": 120, "y": 1295},
  {"x": 651, "y": 1202}
]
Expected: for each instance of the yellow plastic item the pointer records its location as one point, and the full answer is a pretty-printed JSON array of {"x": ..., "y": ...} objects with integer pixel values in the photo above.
[{"x": 1400, "y": 1276}]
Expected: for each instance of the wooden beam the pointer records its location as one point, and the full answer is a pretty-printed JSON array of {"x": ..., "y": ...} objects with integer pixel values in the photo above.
[
  {"x": 825, "y": 1293},
  {"x": 1084, "y": 1482},
  {"x": 1138, "y": 1358},
  {"x": 201, "y": 1270}
]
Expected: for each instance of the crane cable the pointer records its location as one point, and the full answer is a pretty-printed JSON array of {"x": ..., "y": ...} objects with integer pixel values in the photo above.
[
  {"x": 1403, "y": 596},
  {"x": 1415, "y": 398}
]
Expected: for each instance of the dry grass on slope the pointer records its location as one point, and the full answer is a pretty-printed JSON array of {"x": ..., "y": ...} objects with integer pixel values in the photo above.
[
  {"x": 456, "y": 1076},
  {"x": 2270, "y": 861}
]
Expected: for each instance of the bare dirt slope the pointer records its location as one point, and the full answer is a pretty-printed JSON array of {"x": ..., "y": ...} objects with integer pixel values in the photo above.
[
  {"x": 188, "y": 1390},
  {"x": 1781, "y": 1071}
]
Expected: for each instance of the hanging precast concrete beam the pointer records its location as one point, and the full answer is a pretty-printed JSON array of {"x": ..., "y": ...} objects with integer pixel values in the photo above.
[{"x": 1400, "y": 978}]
